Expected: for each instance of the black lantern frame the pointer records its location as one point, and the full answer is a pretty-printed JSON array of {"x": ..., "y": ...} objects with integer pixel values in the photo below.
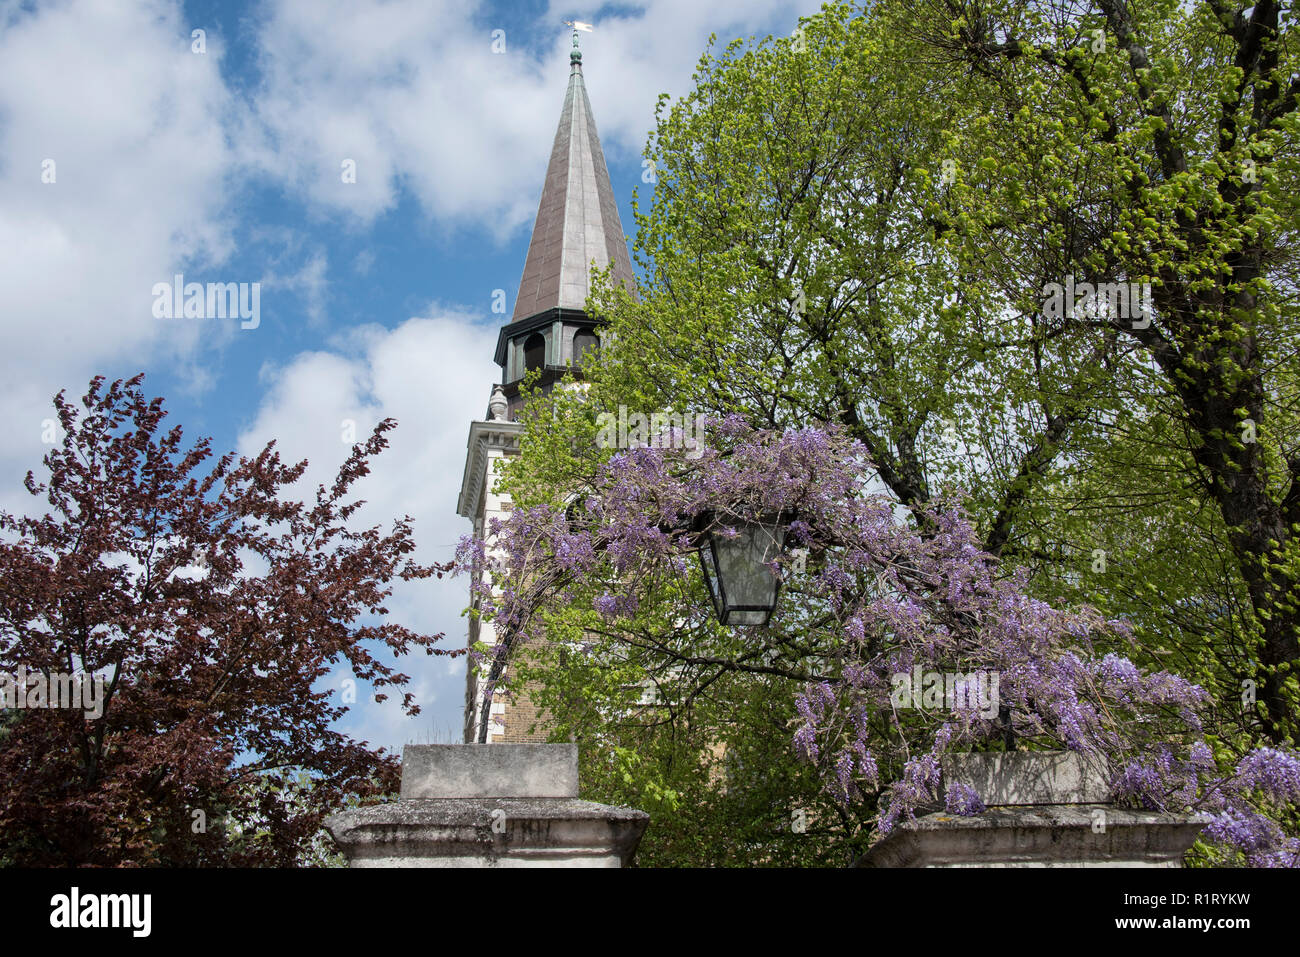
[{"x": 743, "y": 587}]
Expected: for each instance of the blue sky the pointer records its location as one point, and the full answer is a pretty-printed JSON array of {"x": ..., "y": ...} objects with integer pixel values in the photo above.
[{"x": 224, "y": 165}]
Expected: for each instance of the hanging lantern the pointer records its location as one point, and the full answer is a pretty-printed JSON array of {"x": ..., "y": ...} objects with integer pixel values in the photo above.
[{"x": 743, "y": 586}]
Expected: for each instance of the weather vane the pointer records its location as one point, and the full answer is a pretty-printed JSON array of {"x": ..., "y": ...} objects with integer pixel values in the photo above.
[{"x": 578, "y": 25}]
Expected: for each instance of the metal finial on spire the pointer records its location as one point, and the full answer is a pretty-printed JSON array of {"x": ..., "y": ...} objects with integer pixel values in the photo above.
[{"x": 576, "y": 55}]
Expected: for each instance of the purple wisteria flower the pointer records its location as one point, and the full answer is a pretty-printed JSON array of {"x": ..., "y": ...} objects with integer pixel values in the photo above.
[
  {"x": 884, "y": 606},
  {"x": 961, "y": 799}
]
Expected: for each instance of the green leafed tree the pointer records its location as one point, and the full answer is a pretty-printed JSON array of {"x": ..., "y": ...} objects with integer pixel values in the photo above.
[
  {"x": 1152, "y": 147},
  {"x": 863, "y": 223}
]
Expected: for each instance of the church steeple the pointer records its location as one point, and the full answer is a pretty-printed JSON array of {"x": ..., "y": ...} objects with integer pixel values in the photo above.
[
  {"x": 577, "y": 218},
  {"x": 577, "y": 226},
  {"x": 577, "y": 229}
]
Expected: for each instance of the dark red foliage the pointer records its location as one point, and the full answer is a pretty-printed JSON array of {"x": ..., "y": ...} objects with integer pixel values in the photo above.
[{"x": 209, "y": 678}]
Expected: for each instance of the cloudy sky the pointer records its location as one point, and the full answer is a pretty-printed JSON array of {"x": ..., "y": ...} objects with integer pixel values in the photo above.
[{"x": 128, "y": 156}]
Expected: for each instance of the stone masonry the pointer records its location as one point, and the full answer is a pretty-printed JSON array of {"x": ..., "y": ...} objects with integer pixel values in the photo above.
[{"x": 498, "y": 805}]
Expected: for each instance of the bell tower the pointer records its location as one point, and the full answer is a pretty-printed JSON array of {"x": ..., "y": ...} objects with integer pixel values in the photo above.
[{"x": 577, "y": 230}]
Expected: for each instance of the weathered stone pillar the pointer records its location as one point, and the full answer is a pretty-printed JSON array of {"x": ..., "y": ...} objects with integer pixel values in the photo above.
[
  {"x": 1045, "y": 809},
  {"x": 489, "y": 805}
]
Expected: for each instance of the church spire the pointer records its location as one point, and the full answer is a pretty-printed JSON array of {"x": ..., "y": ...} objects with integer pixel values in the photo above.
[
  {"x": 548, "y": 337},
  {"x": 577, "y": 219}
]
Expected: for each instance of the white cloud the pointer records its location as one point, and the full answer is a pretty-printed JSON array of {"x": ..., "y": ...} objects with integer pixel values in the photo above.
[
  {"x": 308, "y": 281},
  {"x": 412, "y": 92},
  {"x": 432, "y": 374},
  {"x": 132, "y": 121},
  {"x": 149, "y": 146}
]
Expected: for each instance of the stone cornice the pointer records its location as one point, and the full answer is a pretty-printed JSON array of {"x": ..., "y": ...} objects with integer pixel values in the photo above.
[{"x": 484, "y": 437}]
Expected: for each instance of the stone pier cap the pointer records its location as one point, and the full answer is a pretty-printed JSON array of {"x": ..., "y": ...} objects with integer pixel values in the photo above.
[
  {"x": 1043, "y": 809},
  {"x": 489, "y": 770},
  {"x": 489, "y": 805}
]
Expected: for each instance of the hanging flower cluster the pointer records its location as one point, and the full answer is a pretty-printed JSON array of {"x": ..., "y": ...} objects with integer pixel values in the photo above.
[{"x": 913, "y": 642}]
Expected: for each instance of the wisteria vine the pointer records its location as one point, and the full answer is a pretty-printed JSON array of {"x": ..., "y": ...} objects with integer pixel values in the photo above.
[{"x": 881, "y": 597}]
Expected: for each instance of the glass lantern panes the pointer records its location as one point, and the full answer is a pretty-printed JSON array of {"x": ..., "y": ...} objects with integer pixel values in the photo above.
[{"x": 742, "y": 585}]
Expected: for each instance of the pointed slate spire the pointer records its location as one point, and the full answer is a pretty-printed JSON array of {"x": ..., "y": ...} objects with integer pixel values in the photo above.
[{"x": 577, "y": 218}]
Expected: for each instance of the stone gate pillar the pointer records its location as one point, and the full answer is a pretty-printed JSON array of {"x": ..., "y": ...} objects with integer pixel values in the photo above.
[
  {"x": 489, "y": 805},
  {"x": 1045, "y": 809}
]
